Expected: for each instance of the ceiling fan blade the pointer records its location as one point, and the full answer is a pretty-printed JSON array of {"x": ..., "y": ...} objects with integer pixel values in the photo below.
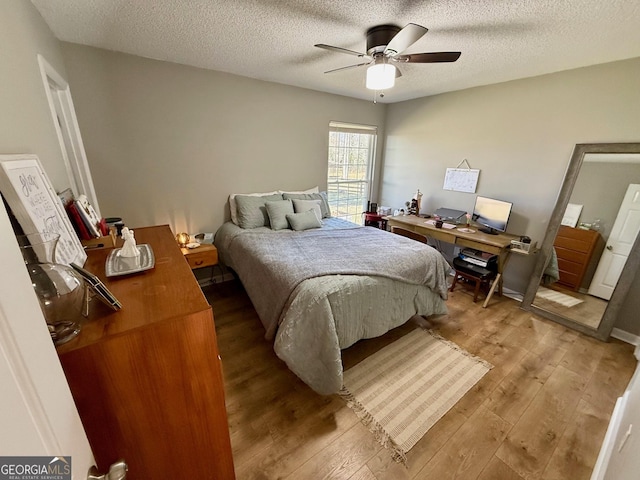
[
  {"x": 339, "y": 50},
  {"x": 405, "y": 38},
  {"x": 347, "y": 67},
  {"x": 435, "y": 57}
]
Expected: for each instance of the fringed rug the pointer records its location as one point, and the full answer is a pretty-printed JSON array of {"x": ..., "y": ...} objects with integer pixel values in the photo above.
[
  {"x": 402, "y": 390},
  {"x": 558, "y": 297}
]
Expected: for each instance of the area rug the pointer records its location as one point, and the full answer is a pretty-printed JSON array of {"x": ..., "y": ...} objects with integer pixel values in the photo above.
[
  {"x": 402, "y": 390},
  {"x": 558, "y": 297}
]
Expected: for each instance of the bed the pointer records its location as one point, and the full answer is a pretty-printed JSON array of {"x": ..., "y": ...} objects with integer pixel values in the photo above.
[{"x": 320, "y": 290}]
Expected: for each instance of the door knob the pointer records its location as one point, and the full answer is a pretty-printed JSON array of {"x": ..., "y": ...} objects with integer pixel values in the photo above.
[
  {"x": 609, "y": 247},
  {"x": 117, "y": 471}
]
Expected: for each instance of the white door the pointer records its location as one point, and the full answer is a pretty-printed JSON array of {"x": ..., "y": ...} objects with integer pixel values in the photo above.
[
  {"x": 623, "y": 235},
  {"x": 37, "y": 413}
]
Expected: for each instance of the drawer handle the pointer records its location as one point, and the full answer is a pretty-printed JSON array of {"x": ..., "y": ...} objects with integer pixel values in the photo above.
[{"x": 199, "y": 262}]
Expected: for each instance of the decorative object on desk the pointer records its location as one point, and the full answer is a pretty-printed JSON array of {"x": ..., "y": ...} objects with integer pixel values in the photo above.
[
  {"x": 416, "y": 201},
  {"x": 95, "y": 286},
  {"x": 117, "y": 265},
  {"x": 428, "y": 376},
  {"x": 461, "y": 179},
  {"x": 183, "y": 239},
  {"x": 57, "y": 286},
  {"x": 129, "y": 249},
  {"x": 28, "y": 192}
]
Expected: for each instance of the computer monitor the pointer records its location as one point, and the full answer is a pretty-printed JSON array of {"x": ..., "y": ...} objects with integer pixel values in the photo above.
[{"x": 492, "y": 214}]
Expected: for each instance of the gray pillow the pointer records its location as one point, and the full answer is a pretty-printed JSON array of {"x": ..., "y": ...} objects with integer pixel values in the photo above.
[
  {"x": 252, "y": 212},
  {"x": 277, "y": 211},
  {"x": 304, "y": 205},
  {"x": 304, "y": 220},
  {"x": 322, "y": 196}
]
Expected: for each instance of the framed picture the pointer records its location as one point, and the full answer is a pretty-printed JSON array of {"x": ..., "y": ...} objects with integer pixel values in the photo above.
[
  {"x": 28, "y": 192},
  {"x": 98, "y": 288}
]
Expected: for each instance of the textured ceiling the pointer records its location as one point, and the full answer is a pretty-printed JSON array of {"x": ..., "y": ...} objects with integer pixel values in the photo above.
[{"x": 273, "y": 40}]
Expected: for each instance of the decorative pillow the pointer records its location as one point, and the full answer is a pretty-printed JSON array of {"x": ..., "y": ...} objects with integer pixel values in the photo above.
[
  {"x": 304, "y": 220},
  {"x": 311, "y": 190},
  {"x": 304, "y": 205},
  {"x": 324, "y": 204},
  {"x": 232, "y": 202},
  {"x": 251, "y": 210},
  {"x": 277, "y": 211}
]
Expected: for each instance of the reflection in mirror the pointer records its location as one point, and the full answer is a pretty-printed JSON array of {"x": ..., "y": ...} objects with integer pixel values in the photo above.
[{"x": 590, "y": 238}]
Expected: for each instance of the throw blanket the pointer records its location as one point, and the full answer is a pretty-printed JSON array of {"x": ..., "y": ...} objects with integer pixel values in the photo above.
[
  {"x": 551, "y": 272},
  {"x": 287, "y": 258}
]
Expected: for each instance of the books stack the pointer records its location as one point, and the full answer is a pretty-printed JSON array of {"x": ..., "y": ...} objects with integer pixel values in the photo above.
[
  {"x": 477, "y": 257},
  {"x": 83, "y": 217}
]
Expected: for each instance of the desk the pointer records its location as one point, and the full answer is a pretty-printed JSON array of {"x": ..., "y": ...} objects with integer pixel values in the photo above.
[{"x": 497, "y": 244}]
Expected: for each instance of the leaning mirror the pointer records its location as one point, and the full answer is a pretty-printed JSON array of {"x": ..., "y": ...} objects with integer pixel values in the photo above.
[{"x": 591, "y": 250}]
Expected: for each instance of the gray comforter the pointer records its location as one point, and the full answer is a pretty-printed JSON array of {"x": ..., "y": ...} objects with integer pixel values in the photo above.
[{"x": 294, "y": 281}]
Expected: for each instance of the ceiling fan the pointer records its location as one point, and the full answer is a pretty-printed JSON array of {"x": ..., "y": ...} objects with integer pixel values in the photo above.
[{"x": 385, "y": 47}]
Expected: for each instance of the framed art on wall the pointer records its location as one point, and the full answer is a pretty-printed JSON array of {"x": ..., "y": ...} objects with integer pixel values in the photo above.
[{"x": 28, "y": 192}]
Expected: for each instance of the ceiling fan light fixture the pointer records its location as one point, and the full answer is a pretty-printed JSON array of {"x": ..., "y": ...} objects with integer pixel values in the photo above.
[{"x": 381, "y": 76}]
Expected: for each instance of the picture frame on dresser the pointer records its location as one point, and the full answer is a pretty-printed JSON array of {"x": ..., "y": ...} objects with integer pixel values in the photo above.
[
  {"x": 27, "y": 190},
  {"x": 98, "y": 288}
]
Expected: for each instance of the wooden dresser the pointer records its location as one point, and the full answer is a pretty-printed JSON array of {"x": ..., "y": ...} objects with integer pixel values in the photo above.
[
  {"x": 147, "y": 380},
  {"x": 575, "y": 248}
]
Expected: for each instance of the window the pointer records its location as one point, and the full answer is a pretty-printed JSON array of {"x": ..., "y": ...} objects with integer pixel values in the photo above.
[{"x": 350, "y": 169}]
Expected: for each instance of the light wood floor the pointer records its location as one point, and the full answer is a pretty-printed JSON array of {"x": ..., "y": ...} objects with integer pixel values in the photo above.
[{"x": 541, "y": 412}]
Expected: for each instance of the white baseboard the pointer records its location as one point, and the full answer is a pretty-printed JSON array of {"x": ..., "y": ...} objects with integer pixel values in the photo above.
[{"x": 627, "y": 338}]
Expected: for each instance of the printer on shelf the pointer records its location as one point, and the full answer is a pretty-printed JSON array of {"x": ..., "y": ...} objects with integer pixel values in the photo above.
[{"x": 479, "y": 258}]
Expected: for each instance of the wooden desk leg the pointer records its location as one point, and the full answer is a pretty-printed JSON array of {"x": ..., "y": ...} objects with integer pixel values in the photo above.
[{"x": 495, "y": 283}]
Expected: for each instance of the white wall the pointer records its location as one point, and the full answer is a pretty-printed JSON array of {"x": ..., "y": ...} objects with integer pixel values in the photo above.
[
  {"x": 168, "y": 143},
  {"x": 520, "y": 134},
  {"x": 26, "y": 125}
]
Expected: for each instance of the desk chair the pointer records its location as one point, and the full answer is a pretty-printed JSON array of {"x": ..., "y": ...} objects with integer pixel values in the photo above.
[
  {"x": 472, "y": 273},
  {"x": 409, "y": 234},
  {"x": 417, "y": 236}
]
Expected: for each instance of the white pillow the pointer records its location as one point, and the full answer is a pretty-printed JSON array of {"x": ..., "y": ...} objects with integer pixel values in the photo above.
[
  {"x": 301, "y": 206},
  {"x": 232, "y": 202},
  {"x": 311, "y": 190}
]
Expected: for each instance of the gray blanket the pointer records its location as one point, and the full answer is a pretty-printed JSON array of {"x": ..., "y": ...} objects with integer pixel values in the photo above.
[{"x": 287, "y": 258}]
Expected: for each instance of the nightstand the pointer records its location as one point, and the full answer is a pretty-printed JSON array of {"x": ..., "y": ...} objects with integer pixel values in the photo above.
[{"x": 206, "y": 255}]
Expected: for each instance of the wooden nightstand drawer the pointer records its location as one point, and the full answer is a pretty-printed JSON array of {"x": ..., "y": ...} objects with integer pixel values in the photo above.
[{"x": 206, "y": 255}]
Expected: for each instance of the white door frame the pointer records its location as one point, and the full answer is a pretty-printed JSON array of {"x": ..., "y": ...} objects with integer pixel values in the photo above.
[{"x": 66, "y": 124}]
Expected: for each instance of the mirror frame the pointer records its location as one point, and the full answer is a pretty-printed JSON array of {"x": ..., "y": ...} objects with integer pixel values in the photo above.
[{"x": 630, "y": 268}]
